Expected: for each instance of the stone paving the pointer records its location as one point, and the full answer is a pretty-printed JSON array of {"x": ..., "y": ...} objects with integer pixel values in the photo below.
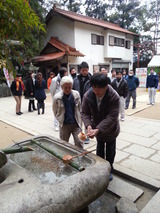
[{"x": 138, "y": 144}]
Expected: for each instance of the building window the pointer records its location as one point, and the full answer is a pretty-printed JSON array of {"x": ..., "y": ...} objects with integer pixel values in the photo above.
[
  {"x": 97, "y": 39},
  {"x": 111, "y": 40},
  {"x": 115, "y": 41},
  {"x": 118, "y": 42},
  {"x": 128, "y": 44},
  {"x": 93, "y": 38}
]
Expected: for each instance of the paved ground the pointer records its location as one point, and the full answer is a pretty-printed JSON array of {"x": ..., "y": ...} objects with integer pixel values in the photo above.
[{"x": 138, "y": 145}]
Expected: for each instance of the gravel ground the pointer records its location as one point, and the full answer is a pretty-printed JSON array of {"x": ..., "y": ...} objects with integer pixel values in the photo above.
[
  {"x": 152, "y": 112},
  {"x": 9, "y": 134}
]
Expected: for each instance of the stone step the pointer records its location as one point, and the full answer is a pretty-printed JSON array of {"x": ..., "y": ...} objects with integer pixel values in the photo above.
[
  {"x": 153, "y": 205},
  {"x": 123, "y": 189}
]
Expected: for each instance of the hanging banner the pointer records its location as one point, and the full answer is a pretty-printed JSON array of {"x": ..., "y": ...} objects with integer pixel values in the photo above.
[
  {"x": 141, "y": 73},
  {"x": 6, "y": 74}
]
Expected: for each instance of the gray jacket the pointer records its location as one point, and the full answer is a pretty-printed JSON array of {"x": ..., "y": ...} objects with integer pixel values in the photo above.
[
  {"x": 55, "y": 85},
  {"x": 59, "y": 109}
]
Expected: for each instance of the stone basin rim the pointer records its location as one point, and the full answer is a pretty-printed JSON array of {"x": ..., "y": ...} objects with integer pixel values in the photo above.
[{"x": 68, "y": 196}]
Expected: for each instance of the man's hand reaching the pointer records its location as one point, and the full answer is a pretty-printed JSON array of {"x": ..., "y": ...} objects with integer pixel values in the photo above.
[{"x": 92, "y": 132}]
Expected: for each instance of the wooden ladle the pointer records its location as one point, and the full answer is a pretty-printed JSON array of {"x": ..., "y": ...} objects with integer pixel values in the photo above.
[{"x": 68, "y": 158}]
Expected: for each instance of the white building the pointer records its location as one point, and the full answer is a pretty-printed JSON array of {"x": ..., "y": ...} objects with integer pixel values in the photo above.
[{"x": 99, "y": 42}]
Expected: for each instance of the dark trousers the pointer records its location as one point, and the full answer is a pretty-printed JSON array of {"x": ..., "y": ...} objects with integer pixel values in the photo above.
[
  {"x": 129, "y": 95},
  {"x": 40, "y": 104},
  {"x": 31, "y": 105},
  {"x": 107, "y": 151}
]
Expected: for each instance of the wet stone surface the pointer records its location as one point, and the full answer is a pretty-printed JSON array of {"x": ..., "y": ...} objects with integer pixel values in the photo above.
[
  {"x": 46, "y": 166},
  {"x": 39, "y": 164}
]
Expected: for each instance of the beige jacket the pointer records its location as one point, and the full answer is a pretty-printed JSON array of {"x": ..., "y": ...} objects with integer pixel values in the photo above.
[{"x": 59, "y": 110}]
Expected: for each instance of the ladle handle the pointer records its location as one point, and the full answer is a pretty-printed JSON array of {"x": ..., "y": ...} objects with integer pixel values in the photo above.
[
  {"x": 83, "y": 153},
  {"x": 76, "y": 166}
]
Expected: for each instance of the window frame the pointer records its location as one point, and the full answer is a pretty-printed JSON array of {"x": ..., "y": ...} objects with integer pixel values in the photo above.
[
  {"x": 97, "y": 39},
  {"x": 128, "y": 44},
  {"x": 119, "y": 42},
  {"x": 93, "y": 39},
  {"x": 116, "y": 41},
  {"x": 111, "y": 40}
]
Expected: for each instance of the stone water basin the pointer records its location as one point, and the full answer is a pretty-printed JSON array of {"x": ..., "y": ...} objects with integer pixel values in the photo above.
[{"x": 37, "y": 181}]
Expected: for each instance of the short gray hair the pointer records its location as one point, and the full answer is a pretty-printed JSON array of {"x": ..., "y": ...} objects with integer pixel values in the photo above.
[{"x": 66, "y": 80}]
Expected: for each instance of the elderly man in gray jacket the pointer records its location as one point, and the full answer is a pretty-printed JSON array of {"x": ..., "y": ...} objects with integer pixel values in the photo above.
[
  {"x": 55, "y": 88},
  {"x": 66, "y": 108},
  {"x": 100, "y": 111}
]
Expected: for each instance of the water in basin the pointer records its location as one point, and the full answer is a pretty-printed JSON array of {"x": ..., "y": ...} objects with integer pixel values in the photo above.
[{"x": 45, "y": 166}]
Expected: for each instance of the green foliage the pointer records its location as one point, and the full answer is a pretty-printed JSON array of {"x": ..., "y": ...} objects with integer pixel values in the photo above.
[
  {"x": 33, "y": 42},
  {"x": 96, "y": 9},
  {"x": 72, "y": 5},
  {"x": 18, "y": 21},
  {"x": 126, "y": 12}
]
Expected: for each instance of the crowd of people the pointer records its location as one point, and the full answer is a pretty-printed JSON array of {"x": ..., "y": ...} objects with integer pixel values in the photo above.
[
  {"x": 33, "y": 89},
  {"x": 85, "y": 102}
]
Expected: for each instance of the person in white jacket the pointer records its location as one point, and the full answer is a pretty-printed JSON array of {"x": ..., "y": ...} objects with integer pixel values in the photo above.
[
  {"x": 55, "y": 88},
  {"x": 66, "y": 108}
]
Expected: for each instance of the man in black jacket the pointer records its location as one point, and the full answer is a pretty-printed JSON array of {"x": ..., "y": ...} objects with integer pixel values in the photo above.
[
  {"x": 82, "y": 81},
  {"x": 100, "y": 110},
  {"x": 120, "y": 85}
]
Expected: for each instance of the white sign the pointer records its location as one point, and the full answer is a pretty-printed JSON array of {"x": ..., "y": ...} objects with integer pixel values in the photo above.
[
  {"x": 141, "y": 73},
  {"x": 6, "y": 74}
]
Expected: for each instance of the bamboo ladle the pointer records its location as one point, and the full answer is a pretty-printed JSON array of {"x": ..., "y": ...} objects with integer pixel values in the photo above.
[{"x": 68, "y": 158}]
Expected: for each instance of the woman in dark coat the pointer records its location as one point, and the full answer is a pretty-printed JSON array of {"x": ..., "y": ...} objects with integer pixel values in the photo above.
[
  {"x": 16, "y": 89},
  {"x": 40, "y": 95},
  {"x": 29, "y": 92}
]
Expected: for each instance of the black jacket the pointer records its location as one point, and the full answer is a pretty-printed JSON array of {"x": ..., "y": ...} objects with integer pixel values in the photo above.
[
  {"x": 122, "y": 88},
  {"x": 82, "y": 86},
  {"x": 29, "y": 91},
  {"x": 14, "y": 90}
]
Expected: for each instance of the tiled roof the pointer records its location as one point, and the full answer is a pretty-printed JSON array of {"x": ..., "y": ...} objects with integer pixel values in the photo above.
[
  {"x": 88, "y": 20},
  {"x": 48, "y": 57},
  {"x": 63, "y": 49}
]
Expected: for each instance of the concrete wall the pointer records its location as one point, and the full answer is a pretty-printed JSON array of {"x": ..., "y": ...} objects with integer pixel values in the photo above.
[
  {"x": 94, "y": 54},
  {"x": 61, "y": 28},
  {"x": 116, "y": 51}
]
